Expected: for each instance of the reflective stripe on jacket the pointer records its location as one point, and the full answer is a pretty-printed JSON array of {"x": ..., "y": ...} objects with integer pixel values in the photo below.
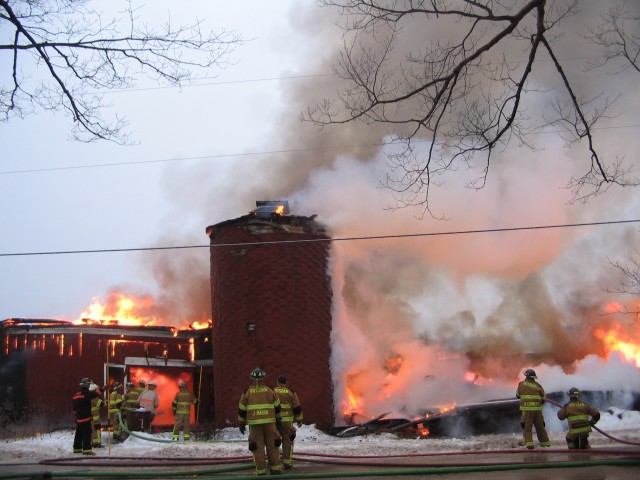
[
  {"x": 258, "y": 405},
  {"x": 530, "y": 394},
  {"x": 82, "y": 404},
  {"x": 579, "y": 415},
  {"x": 131, "y": 400},
  {"x": 96, "y": 405},
  {"x": 182, "y": 402},
  {"x": 115, "y": 402},
  {"x": 289, "y": 403}
]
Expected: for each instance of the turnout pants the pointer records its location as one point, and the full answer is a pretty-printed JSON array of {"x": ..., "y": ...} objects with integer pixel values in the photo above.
[
  {"x": 578, "y": 441},
  {"x": 82, "y": 438},
  {"x": 288, "y": 433},
  {"x": 96, "y": 434},
  {"x": 530, "y": 420},
  {"x": 264, "y": 437},
  {"x": 115, "y": 423},
  {"x": 182, "y": 421}
]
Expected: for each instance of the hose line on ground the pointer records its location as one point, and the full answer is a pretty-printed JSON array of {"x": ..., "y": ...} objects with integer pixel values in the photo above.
[
  {"x": 359, "y": 473},
  {"x": 126, "y": 429},
  {"x": 619, "y": 440},
  {"x": 159, "y": 440}
]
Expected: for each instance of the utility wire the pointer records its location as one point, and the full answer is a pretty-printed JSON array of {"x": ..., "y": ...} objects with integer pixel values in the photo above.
[
  {"x": 265, "y": 152},
  {"x": 318, "y": 240}
]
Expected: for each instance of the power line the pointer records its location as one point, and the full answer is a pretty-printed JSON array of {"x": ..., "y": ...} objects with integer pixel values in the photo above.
[
  {"x": 248, "y": 154},
  {"x": 221, "y": 82},
  {"x": 317, "y": 240}
]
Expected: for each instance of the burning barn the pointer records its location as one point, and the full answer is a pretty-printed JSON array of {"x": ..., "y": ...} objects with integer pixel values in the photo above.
[
  {"x": 271, "y": 307},
  {"x": 43, "y": 361}
]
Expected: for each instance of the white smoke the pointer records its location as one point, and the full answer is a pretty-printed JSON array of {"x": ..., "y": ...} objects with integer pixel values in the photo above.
[{"x": 413, "y": 315}]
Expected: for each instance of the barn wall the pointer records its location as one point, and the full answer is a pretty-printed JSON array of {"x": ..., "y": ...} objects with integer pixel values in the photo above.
[
  {"x": 52, "y": 364},
  {"x": 283, "y": 290}
]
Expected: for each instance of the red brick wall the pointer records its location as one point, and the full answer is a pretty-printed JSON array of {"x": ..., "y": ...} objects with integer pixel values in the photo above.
[{"x": 284, "y": 289}]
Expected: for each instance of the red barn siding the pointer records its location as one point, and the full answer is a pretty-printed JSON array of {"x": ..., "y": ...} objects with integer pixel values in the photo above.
[
  {"x": 54, "y": 363},
  {"x": 282, "y": 288}
]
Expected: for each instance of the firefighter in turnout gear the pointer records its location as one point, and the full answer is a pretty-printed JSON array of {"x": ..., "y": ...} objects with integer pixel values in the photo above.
[
  {"x": 259, "y": 407},
  {"x": 116, "y": 400},
  {"x": 96, "y": 424},
  {"x": 131, "y": 403},
  {"x": 82, "y": 410},
  {"x": 531, "y": 395},
  {"x": 291, "y": 411},
  {"x": 581, "y": 417},
  {"x": 181, "y": 407}
]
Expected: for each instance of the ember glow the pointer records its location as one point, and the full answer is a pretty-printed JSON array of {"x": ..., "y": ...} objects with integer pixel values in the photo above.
[{"x": 166, "y": 388}]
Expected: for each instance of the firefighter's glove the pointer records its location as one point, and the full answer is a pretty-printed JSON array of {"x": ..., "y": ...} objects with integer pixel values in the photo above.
[
  {"x": 242, "y": 429},
  {"x": 299, "y": 424}
]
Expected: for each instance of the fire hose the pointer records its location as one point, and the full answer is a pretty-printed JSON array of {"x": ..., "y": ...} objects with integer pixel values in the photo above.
[
  {"x": 375, "y": 467},
  {"x": 403, "y": 470},
  {"x": 137, "y": 435},
  {"x": 619, "y": 440}
]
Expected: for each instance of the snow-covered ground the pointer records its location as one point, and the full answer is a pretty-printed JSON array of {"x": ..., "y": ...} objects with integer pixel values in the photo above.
[{"x": 230, "y": 442}]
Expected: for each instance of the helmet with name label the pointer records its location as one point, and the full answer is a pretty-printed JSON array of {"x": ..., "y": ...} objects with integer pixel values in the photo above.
[
  {"x": 574, "y": 392},
  {"x": 257, "y": 374}
]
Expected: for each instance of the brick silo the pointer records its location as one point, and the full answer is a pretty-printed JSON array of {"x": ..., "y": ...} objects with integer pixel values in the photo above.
[{"x": 271, "y": 307}]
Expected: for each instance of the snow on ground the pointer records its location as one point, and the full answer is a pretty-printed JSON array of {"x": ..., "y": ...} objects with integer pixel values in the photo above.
[{"x": 230, "y": 442}]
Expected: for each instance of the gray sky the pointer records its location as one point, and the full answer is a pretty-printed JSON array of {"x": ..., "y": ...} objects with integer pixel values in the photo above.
[{"x": 145, "y": 204}]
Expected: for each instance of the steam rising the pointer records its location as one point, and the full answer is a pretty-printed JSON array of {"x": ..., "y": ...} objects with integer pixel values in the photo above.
[{"x": 413, "y": 315}]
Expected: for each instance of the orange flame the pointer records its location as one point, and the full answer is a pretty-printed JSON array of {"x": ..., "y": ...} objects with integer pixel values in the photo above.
[
  {"x": 123, "y": 308},
  {"x": 128, "y": 309},
  {"x": 447, "y": 408},
  {"x": 166, "y": 387},
  {"x": 615, "y": 340}
]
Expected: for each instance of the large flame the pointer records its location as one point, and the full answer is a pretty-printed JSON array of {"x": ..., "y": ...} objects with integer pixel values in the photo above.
[
  {"x": 617, "y": 339},
  {"x": 125, "y": 309},
  {"x": 128, "y": 309}
]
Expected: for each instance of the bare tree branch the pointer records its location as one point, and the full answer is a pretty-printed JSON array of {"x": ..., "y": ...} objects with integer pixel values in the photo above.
[
  {"x": 455, "y": 90},
  {"x": 630, "y": 268},
  {"x": 618, "y": 36},
  {"x": 62, "y": 55}
]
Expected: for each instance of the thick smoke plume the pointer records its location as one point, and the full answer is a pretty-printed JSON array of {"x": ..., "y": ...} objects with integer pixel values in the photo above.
[{"x": 433, "y": 320}]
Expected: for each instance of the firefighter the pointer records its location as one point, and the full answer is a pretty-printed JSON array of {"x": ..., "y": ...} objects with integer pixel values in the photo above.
[
  {"x": 130, "y": 403},
  {"x": 291, "y": 411},
  {"x": 82, "y": 410},
  {"x": 116, "y": 400},
  {"x": 581, "y": 417},
  {"x": 181, "y": 407},
  {"x": 259, "y": 408},
  {"x": 531, "y": 395},
  {"x": 141, "y": 387},
  {"x": 149, "y": 401},
  {"x": 96, "y": 425}
]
